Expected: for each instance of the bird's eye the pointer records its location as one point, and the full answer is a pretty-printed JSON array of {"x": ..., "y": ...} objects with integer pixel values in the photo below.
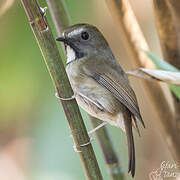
[{"x": 84, "y": 35}]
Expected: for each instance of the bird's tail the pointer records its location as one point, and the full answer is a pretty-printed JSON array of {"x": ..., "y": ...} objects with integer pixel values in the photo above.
[{"x": 130, "y": 141}]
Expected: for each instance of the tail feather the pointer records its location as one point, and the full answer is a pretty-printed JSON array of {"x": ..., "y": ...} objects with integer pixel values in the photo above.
[
  {"x": 130, "y": 142},
  {"x": 140, "y": 118},
  {"x": 136, "y": 124}
]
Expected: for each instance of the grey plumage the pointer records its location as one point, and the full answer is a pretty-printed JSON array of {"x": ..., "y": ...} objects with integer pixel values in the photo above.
[{"x": 102, "y": 87}]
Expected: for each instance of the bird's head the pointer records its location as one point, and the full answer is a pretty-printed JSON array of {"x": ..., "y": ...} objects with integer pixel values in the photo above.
[{"x": 82, "y": 40}]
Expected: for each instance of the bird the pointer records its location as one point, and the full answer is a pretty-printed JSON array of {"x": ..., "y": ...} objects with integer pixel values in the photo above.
[{"x": 100, "y": 85}]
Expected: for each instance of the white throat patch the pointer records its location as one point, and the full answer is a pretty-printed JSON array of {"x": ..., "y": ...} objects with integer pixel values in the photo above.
[{"x": 70, "y": 53}]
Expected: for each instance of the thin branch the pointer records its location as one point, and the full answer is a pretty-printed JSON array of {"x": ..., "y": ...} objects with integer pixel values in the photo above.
[
  {"x": 167, "y": 21},
  {"x": 61, "y": 18},
  {"x": 123, "y": 15},
  {"x": 56, "y": 69}
]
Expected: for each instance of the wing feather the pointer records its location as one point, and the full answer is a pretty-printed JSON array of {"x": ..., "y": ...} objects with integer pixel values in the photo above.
[{"x": 125, "y": 96}]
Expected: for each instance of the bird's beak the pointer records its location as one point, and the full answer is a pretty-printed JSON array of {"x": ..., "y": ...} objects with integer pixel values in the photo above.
[{"x": 62, "y": 38}]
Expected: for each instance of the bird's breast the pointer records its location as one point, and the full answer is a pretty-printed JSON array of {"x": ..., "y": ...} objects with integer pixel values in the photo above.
[{"x": 74, "y": 74}]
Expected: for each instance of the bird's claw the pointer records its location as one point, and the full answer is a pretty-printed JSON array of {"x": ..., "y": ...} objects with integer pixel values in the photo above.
[
  {"x": 82, "y": 145},
  {"x": 65, "y": 99}
]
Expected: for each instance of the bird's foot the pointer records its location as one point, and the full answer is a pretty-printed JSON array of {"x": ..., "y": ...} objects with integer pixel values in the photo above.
[
  {"x": 98, "y": 127},
  {"x": 82, "y": 145},
  {"x": 66, "y": 99},
  {"x": 89, "y": 133}
]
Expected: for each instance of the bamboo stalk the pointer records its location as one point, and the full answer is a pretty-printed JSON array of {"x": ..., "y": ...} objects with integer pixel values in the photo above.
[
  {"x": 59, "y": 15},
  {"x": 54, "y": 63},
  {"x": 175, "y": 5},
  {"x": 167, "y": 21},
  {"x": 123, "y": 15},
  {"x": 167, "y": 32},
  {"x": 61, "y": 18}
]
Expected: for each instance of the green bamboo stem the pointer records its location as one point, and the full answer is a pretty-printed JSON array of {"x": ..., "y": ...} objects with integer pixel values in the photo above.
[
  {"x": 59, "y": 14},
  {"x": 49, "y": 50},
  {"x": 61, "y": 19}
]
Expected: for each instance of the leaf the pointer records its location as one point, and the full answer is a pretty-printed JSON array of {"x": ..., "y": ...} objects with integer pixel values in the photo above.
[
  {"x": 163, "y": 65},
  {"x": 158, "y": 75}
]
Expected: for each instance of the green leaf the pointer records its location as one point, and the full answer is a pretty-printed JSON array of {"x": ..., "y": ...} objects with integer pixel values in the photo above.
[
  {"x": 163, "y": 65},
  {"x": 175, "y": 89}
]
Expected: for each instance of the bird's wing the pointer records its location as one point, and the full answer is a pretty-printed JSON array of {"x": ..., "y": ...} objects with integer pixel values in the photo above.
[
  {"x": 92, "y": 94},
  {"x": 118, "y": 85}
]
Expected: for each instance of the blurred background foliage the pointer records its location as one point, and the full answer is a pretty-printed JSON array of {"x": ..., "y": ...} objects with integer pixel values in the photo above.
[{"x": 35, "y": 141}]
